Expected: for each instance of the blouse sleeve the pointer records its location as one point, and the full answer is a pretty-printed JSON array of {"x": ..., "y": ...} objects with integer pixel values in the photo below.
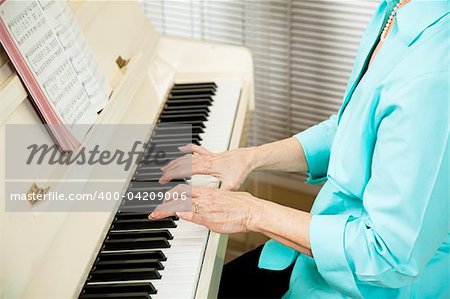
[
  {"x": 316, "y": 143},
  {"x": 406, "y": 201}
]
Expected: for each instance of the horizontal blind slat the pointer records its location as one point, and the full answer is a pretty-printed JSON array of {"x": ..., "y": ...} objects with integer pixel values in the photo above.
[{"x": 303, "y": 51}]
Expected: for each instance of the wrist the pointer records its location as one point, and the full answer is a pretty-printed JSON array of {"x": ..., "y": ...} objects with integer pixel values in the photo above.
[
  {"x": 251, "y": 158},
  {"x": 257, "y": 215}
]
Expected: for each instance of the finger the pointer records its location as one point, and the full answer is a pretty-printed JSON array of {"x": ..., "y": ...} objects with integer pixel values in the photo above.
[
  {"x": 174, "y": 162},
  {"x": 179, "y": 169},
  {"x": 170, "y": 207},
  {"x": 184, "y": 160},
  {"x": 185, "y": 168},
  {"x": 159, "y": 215},
  {"x": 169, "y": 164},
  {"x": 193, "y": 148},
  {"x": 228, "y": 185}
]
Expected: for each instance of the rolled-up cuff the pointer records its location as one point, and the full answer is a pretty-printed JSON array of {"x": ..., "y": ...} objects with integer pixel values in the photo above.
[
  {"x": 326, "y": 235},
  {"x": 317, "y": 153},
  {"x": 276, "y": 256}
]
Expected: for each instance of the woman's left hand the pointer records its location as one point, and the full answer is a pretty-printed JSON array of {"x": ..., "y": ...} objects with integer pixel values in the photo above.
[{"x": 220, "y": 210}]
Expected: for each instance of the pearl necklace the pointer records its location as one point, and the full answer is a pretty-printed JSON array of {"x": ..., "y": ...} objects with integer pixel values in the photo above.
[{"x": 390, "y": 20}]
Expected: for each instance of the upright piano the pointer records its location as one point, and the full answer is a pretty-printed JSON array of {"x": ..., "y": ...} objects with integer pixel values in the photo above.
[{"x": 114, "y": 254}]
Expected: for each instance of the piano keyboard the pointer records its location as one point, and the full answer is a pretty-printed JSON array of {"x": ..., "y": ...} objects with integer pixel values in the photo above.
[{"x": 142, "y": 258}]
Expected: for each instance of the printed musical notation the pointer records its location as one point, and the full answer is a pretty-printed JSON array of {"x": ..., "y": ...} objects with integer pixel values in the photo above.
[
  {"x": 70, "y": 36},
  {"x": 48, "y": 49}
]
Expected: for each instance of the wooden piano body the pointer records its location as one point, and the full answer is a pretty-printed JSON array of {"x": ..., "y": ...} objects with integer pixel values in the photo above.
[{"x": 49, "y": 254}]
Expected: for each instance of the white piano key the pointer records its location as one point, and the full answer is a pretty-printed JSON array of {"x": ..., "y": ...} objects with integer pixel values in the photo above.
[{"x": 219, "y": 125}]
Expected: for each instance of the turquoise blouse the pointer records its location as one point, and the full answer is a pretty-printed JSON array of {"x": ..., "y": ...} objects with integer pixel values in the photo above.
[{"x": 380, "y": 224}]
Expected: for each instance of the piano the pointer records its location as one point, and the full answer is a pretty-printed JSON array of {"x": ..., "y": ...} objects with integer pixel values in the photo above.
[{"x": 122, "y": 254}]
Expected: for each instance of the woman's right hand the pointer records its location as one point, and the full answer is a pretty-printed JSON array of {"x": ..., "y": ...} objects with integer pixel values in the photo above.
[{"x": 231, "y": 167}]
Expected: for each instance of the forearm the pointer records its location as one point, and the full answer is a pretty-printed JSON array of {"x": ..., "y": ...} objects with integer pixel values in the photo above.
[
  {"x": 283, "y": 155},
  {"x": 289, "y": 243},
  {"x": 286, "y": 225}
]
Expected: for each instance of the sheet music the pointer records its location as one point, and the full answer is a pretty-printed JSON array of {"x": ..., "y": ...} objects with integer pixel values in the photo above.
[
  {"x": 46, "y": 35},
  {"x": 70, "y": 36}
]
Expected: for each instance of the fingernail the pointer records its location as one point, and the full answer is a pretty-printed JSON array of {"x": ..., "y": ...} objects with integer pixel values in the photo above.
[{"x": 150, "y": 216}]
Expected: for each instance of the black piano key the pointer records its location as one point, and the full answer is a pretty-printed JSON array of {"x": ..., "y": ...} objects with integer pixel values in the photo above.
[
  {"x": 148, "y": 167},
  {"x": 174, "y": 217},
  {"x": 139, "y": 215},
  {"x": 208, "y": 91},
  {"x": 178, "y": 135},
  {"x": 149, "y": 160},
  {"x": 135, "y": 198},
  {"x": 150, "y": 187},
  {"x": 165, "y": 148},
  {"x": 136, "y": 215},
  {"x": 161, "y": 146},
  {"x": 159, "y": 155},
  {"x": 196, "y": 123},
  {"x": 137, "y": 208},
  {"x": 158, "y": 140},
  {"x": 147, "y": 177},
  {"x": 204, "y": 112},
  {"x": 165, "y": 140},
  {"x": 174, "y": 153},
  {"x": 194, "y": 85},
  {"x": 124, "y": 274},
  {"x": 126, "y": 295},
  {"x": 130, "y": 224},
  {"x": 169, "y": 109},
  {"x": 127, "y": 264},
  {"x": 135, "y": 243},
  {"x": 184, "y": 102},
  {"x": 177, "y": 141},
  {"x": 139, "y": 203},
  {"x": 147, "y": 196},
  {"x": 160, "y": 233},
  {"x": 211, "y": 83},
  {"x": 197, "y": 129},
  {"x": 170, "y": 129},
  {"x": 119, "y": 256},
  {"x": 145, "y": 287},
  {"x": 197, "y": 138}
]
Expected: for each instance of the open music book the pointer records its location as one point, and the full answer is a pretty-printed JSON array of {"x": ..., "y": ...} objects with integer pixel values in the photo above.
[{"x": 47, "y": 48}]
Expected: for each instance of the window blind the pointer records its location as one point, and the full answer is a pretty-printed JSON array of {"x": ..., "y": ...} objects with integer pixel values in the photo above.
[{"x": 303, "y": 51}]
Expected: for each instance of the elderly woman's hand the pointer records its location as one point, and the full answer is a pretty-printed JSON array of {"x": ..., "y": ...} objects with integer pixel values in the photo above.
[
  {"x": 221, "y": 211},
  {"x": 231, "y": 167}
]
